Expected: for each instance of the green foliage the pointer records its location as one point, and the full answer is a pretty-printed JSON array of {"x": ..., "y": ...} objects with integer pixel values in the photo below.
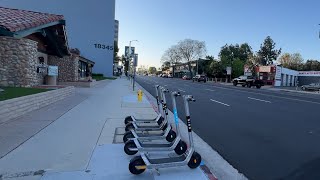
[
  {"x": 216, "y": 68},
  {"x": 311, "y": 65},
  {"x": 267, "y": 51},
  {"x": 14, "y": 92},
  {"x": 152, "y": 70},
  {"x": 291, "y": 61},
  {"x": 237, "y": 68},
  {"x": 230, "y": 53}
]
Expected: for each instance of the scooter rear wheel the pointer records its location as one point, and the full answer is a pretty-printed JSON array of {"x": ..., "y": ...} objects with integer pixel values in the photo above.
[
  {"x": 129, "y": 126},
  {"x": 195, "y": 160},
  {"x": 181, "y": 148},
  {"x": 127, "y": 136},
  {"x": 130, "y": 144},
  {"x": 136, "y": 161},
  {"x": 171, "y": 136},
  {"x": 128, "y": 119}
]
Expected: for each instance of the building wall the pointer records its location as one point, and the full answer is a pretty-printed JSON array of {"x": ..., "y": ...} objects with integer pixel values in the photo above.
[
  {"x": 18, "y": 62},
  {"x": 89, "y": 23},
  {"x": 285, "y": 77},
  {"x": 67, "y": 67}
]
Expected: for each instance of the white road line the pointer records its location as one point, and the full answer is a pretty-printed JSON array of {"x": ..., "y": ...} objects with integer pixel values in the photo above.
[
  {"x": 259, "y": 100},
  {"x": 219, "y": 102},
  {"x": 210, "y": 90},
  {"x": 181, "y": 90}
]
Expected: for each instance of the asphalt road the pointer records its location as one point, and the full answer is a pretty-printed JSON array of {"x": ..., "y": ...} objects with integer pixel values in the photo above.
[{"x": 264, "y": 134}]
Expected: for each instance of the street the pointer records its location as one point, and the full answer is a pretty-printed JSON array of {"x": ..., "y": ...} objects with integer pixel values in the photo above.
[{"x": 264, "y": 134}]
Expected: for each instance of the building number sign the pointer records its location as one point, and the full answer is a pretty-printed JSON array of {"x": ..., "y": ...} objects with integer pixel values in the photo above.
[{"x": 102, "y": 46}]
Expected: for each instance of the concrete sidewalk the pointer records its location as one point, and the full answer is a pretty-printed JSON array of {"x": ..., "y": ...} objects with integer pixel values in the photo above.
[{"x": 85, "y": 142}]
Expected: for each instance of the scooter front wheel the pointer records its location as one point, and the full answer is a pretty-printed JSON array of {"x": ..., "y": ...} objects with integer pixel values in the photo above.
[
  {"x": 137, "y": 165},
  {"x": 195, "y": 160}
]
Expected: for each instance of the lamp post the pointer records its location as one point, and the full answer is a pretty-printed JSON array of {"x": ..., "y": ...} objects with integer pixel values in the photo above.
[{"x": 133, "y": 65}]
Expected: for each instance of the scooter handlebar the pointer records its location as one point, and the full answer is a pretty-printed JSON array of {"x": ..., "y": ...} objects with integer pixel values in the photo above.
[
  {"x": 175, "y": 93},
  {"x": 190, "y": 98}
]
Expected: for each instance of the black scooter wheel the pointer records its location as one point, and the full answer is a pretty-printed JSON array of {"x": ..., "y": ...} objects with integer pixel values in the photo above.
[
  {"x": 181, "y": 148},
  {"x": 161, "y": 119},
  {"x": 195, "y": 160},
  {"x": 171, "y": 136},
  {"x": 130, "y": 144},
  {"x": 128, "y": 119},
  {"x": 127, "y": 136},
  {"x": 129, "y": 126},
  {"x": 134, "y": 163}
]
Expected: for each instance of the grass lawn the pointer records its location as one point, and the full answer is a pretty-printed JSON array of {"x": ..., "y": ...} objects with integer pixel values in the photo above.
[
  {"x": 13, "y": 92},
  {"x": 99, "y": 78}
]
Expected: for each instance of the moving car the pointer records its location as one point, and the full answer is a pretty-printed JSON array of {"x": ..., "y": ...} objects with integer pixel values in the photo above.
[
  {"x": 311, "y": 87},
  {"x": 185, "y": 77},
  {"x": 248, "y": 81},
  {"x": 199, "y": 78}
]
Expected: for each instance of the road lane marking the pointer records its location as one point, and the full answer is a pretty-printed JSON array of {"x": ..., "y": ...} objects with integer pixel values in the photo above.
[
  {"x": 281, "y": 97},
  {"x": 219, "y": 102},
  {"x": 181, "y": 90},
  {"x": 259, "y": 100},
  {"x": 210, "y": 90}
]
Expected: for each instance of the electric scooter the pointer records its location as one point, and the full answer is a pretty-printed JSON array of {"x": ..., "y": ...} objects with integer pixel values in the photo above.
[
  {"x": 152, "y": 127},
  {"x": 137, "y": 144},
  {"x": 191, "y": 158},
  {"x": 158, "y": 119},
  {"x": 145, "y": 133}
]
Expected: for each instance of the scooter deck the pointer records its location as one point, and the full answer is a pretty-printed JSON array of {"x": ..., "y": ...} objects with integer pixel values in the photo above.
[
  {"x": 168, "y": 160},
  {"x": 150, "y": 135},
  {"x": 145, "y": 145}
]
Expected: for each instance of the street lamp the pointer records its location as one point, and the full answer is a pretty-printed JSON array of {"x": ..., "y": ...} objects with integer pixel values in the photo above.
[{"x": 134, "y": 68}]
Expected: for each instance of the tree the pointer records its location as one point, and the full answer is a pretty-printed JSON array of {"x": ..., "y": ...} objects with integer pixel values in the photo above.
[
  {"x": 216, "y": 68},
  {"x": 311, "y": 65},
  {"x": 252, "y": 63},
  {"x": 237, "y": 68},
  {"x": 267, "y": 51},
  {"x": 152, "y": 70},
  {"x": 165, "y": 66},
  {"x": 291, "y": 61},
  {"x": 172, "y": 56},
  {"x": 229, "y": 53},
  {"x": 190, "y": 50}
]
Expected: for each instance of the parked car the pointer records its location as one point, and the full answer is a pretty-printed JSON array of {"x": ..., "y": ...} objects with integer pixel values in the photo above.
[
  {"x": 170, "y": 76},
  {"x": 165, "y": 75},
  {"x": 185, "y": 77},
  {"x": 311, "y": 87},
  {"x": 248, "y": 81},
  {"x": 199, "y": 78}
]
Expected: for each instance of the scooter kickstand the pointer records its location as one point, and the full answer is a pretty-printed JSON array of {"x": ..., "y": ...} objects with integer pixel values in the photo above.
[{"x": 157, "y": 171}]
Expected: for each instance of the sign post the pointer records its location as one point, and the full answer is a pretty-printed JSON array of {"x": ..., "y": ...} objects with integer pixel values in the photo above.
[
  {"x": 229, "y": 69},
  {"x": 135, "y": 63}
]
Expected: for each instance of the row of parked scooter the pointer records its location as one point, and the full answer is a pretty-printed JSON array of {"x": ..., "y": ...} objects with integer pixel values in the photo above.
[{"x": 144, "y": 136}]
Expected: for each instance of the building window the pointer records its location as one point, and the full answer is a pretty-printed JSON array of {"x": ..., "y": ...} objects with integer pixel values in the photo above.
[{"x": 41, "y": 60}]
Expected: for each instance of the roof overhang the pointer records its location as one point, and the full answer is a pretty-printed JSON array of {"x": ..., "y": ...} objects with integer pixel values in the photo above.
[{"x": 26, "y": 32}]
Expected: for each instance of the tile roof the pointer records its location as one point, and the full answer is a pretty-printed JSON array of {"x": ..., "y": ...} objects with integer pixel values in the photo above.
[{"x": 15, "y": 20}]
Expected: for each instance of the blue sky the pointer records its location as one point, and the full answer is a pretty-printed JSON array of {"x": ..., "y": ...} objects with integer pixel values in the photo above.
[{"x": 158, "y": 24}]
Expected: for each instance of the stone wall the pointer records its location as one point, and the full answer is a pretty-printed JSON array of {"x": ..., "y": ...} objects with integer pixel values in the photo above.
[
  {"x": 16, "y": 107},
  {"x": 68, "y": 67},
  {"x": 18, "y": 62}
]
